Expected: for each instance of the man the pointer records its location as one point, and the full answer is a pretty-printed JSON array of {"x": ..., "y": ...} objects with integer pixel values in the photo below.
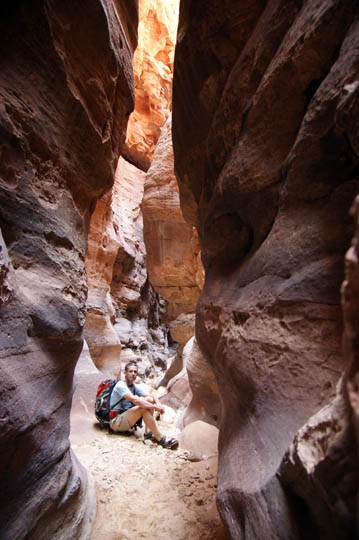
[{"x": 129, "y": 403}]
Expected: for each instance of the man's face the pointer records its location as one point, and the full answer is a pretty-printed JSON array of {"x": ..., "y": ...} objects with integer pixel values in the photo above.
[{"x": 131, "y": 375}]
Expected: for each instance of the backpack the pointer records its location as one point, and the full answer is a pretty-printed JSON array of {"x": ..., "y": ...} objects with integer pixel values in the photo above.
[{"x": 102, "y": 402}]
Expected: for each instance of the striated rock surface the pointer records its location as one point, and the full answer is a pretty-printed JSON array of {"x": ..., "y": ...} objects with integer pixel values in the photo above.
[
  {"x": 173, "y": 252},
  {"x": 321, "y": 466},
  {"x": 266, "y": 154},
  {"x": 66, "y": 92},
  {"x": 124, "y": 314},
  {"x": 350, "y": 306},
  {"x": 153, "y": 67},
  {"x": 115, "y": 263}
]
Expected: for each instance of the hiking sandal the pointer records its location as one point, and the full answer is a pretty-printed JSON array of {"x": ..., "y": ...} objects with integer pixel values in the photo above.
[
  {"x": 170, "y": 443},
  {"x": 148, "y": 435}
]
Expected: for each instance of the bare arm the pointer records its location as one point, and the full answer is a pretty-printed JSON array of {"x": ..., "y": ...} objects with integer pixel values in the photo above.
[
  {"x": 153, "y": 398},
  {"x": 144, "y": 403}
]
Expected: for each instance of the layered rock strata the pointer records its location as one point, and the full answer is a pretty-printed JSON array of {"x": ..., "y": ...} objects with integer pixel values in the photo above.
[
  {"x": 66, "y": 93},
  {"x": 153, "y": 68},
  {"x": 125, "y": 317},
  {"x": 115, "y": 260},
  {"x": 266, "y": 154},
  {"x": 321, "y": 465},
  {"x": 173, "y": 252}
]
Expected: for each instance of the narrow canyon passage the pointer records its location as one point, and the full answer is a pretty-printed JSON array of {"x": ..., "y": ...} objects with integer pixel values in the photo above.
[
  {"x": 145, "y": 276},
  {"x": 179, "y": 187},
  {"x": 145, "y": 491}
]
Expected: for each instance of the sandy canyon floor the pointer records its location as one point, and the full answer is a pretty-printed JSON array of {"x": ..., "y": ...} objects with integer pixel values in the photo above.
[{"x": 146, "y": 491}]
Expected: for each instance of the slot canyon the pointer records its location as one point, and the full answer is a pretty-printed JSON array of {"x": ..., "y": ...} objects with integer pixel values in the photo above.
[{"x": 179, "y": 187}]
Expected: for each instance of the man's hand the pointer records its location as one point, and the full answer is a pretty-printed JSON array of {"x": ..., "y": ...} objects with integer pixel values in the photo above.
[{"x": 160, "y": 408}]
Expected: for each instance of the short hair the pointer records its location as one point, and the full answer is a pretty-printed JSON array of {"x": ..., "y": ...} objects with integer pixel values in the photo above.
[{"x": 132, "y": 363}]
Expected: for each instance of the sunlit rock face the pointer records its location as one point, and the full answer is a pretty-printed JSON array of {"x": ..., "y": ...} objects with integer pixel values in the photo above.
[
  {"x": 266, "y": 151},
  {"x": 120, "y": 325},
  {"x": 153, "y": 68},
  {"x": 115, "y": 260},
  {"x": 173, "y": 253},
  {"x": 66, "y": 93}
]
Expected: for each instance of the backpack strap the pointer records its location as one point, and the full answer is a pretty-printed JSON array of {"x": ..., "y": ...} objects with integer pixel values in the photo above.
[{"x": 113, "y": 407}]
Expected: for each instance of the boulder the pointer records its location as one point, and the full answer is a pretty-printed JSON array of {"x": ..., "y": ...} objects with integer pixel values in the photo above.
[{"x": 200, "y": 439}]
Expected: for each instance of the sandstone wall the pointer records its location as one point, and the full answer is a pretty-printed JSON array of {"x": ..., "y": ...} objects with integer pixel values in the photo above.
[
  {"x": 115, "y": 261},
  {"x": 173, "y": 252},
  {"x": 153, "y": 68},
  {"x": 125, "y": 316},
  {"x": 265, "y": 104},
  {"x": 66, "y": 92}
]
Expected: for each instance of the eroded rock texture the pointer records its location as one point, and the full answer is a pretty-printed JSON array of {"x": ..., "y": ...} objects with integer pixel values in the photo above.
[
  {"x": 173, "y": 253},
  {"x": 66, "y": 92},
  {"x": 321, "y": 466},
  {"x": 266, "y": 152},
  {"x": 115, "y": 260},
  {"x": 153, "y": 68},
  {"x": 125, "y": 316}
]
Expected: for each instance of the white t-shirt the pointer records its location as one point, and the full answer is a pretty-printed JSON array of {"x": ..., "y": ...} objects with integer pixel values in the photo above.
[{"x": 120, "y": 390}]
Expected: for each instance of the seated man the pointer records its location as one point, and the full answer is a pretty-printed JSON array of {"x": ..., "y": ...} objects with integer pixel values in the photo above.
[{"x": 129, "y": 403}]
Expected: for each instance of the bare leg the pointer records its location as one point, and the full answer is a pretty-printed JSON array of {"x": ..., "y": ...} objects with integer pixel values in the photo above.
[
  {"x": 135, "y": 413},
  {"x": 151, "y": 424}
]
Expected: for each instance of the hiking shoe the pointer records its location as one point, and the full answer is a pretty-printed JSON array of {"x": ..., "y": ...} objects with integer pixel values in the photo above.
[{"x": 170, "y": 443}]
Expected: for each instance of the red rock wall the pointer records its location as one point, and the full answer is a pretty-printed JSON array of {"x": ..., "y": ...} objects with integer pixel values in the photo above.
[
  {"x": 125, "y": 316},
  {"x": 350, "y": 303},
  {"x": 66, "y": 92},
  {"x": 153, "y": 68},
  {"x": 115, "y": 263},
  {"x": 266, "y": 153},
  {"x": 173, "y": 253}
]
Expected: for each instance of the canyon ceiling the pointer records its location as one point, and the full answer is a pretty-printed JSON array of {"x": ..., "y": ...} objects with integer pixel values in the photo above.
[{"x": 265, "y": 153}]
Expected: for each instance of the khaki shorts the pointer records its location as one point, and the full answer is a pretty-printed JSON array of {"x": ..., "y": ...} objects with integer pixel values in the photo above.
[{"x": 120, "y": 422}]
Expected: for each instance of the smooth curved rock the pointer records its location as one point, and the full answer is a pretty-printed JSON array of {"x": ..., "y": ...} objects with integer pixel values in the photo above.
[
  {"x": 153, "y": 68},
  {"x": 172, "y": 246},
  {"x": 200, "y": 439},
  {"x": 125, "y": 317},
  {"x": 66, "y": 92},
  {"x": 266, "y": 158},
  {"x": 205, "y": 404},
  {"x": 115, "y": 264},
  {"x": 320, "y": 468}
]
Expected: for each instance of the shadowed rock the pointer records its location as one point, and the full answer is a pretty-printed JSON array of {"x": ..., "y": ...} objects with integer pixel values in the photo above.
[
  {"x": 66, "y": 92},
  {"x": 265, "y": 98}
]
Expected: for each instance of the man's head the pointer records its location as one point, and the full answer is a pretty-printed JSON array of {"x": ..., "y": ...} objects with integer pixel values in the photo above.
[
  {"x": 131, "y": 364},
  {"x": 131, "y": 372}
]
